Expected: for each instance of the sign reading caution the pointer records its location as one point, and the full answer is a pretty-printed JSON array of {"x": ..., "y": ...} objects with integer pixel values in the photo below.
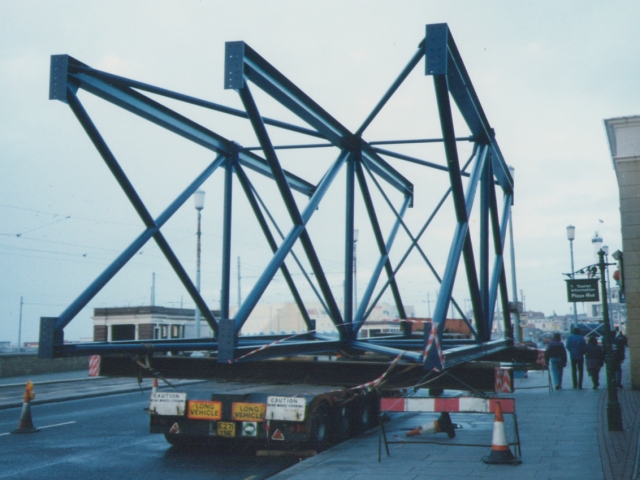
[{"x": 248, "y": 412}]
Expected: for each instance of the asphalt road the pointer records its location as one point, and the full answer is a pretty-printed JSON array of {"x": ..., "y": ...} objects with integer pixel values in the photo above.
[{"x": 106, "y": 438}]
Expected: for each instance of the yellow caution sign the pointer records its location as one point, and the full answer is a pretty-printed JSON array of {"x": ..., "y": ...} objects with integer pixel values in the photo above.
[
  {"x": 203, "y": 410},
  {"x": 248, "y": 412}
]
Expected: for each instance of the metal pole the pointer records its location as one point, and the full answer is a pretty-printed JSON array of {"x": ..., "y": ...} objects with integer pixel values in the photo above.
[
  {"x": 239, "y": 286},
  {"x": 198, "y": 235},
  {"x": 355, "y": 271},
  {"x": 516, "y": 313},
  {"x": 573, "y": 276},
  {"x": 153, "y": 289},
  {"x": 20, "y": 328},
  {"x": 614, "y": 413}
]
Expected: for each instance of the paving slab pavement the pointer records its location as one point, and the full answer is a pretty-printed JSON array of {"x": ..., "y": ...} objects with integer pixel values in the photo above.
[{"x": 563, "y": 435}]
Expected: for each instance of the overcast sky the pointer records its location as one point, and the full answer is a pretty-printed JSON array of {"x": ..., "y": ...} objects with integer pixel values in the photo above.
[{"x": 547, "y": 73}]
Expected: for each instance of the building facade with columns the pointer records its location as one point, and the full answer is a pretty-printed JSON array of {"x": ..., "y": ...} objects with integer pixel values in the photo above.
[{"x": 623, "y": 134}]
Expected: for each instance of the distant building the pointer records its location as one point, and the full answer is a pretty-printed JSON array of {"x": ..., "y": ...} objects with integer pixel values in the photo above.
[
  {"x": 623, "y": 134},
  {"x": 146, "y": 323},
  {"x": 156, "y": 323}
]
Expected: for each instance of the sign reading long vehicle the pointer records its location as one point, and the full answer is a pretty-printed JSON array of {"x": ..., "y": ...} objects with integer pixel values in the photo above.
[
  {"x": 248, "y": 412},
  {"x": 203, "y": 410}
]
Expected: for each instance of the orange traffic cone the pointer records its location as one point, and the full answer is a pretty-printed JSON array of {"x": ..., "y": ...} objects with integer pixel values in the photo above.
[
  {"x": 500, "y": 452},
  {"x": 442, "y": 424},
  {"x": 25, "y": 425}
]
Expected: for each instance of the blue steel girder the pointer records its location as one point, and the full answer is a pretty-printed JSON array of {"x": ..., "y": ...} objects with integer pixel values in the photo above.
[
  {"x": 384, "y": 253},
  {"x": 414, "y": 244},
  {"x": 290, "y": 203},
  {"x": 242, "y": 63},
  {"x": 287, "y": 244},
  {"x": 244, "y": 66},
  {"x": 142, "y": 211},
  {"x": 253, "y": 202},
  {"x": 75, "y": 76},
  {"x": 443, "y": 58}
]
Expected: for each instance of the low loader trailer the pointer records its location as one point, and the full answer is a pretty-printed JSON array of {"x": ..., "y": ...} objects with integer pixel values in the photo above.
[
  {"x": 262, "y": 416},
  {"x": 281, "y": 404}
]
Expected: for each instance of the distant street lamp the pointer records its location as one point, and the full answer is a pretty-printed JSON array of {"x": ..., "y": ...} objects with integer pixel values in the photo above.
[
  {"x": 597, "y": 243},
  {"x": 198, "y": 203},
  {"x": 571, "y": 234}
]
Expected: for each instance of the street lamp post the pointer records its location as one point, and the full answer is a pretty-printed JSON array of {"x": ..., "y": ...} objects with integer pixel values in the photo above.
[
  {"x": 355, "y": 271},
  {"x": 605, "y": 249},
  {"x": 571, "y": 234},
  {"x": 614, "y": 413},
  {"x": 198, "y": 203},
  {"x": 20, "y": 327},
  {"x": 516, "y": 312},
  {"x": 596, "y": 241}
]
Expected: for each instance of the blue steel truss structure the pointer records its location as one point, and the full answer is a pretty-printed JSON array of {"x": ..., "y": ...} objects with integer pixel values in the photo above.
[{"x": 485, "y": 172}]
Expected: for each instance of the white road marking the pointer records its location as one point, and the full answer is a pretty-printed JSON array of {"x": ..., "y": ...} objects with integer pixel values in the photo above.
[{"x": 46, "y": 426}]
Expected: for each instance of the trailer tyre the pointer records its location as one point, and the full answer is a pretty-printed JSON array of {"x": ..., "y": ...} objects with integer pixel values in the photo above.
[
  {"x": 319, "y": 436},
  {"x": 366, "y": 416},
  {"x": 343, "y": 421}
]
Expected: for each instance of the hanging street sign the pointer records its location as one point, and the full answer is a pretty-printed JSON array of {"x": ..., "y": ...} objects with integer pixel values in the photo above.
[{"x": 583, "y": 290}]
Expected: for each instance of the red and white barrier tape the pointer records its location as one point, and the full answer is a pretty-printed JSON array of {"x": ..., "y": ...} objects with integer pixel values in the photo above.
[
  {"x": 377, "y": 381},
  {"x": 264, "y": 347}
]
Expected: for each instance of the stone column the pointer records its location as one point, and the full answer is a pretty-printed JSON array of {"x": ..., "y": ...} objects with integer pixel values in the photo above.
[{"x": 624, "y": 143}]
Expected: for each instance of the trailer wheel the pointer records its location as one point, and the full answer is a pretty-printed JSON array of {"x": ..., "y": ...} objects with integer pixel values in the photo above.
[
  {"x": 366, "y": 414},
  {"x": 343, "y": 421},
  {"x": 319, "y": 435}
]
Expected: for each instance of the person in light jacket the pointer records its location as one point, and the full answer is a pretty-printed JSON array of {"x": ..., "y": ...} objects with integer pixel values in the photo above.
[
  {"x": 595, "y": 360},
  {"x": 556, "y": 357}
]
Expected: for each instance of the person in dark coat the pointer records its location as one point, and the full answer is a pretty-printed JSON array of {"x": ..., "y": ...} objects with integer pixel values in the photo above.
[
  {"x": 576, "y": 347},
  {"x": 618, "y": 344},
  {"x": 556, "y": 357},
  {"x": 595, "y": 360}
]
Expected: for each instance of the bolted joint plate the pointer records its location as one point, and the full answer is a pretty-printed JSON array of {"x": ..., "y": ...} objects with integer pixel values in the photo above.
[
  {"x": 227, "y": 340},
  {"x": 234, "y": 65},
  {"x": 436, "y": 49},
  {"x": 49, "y": 337},
  {"x": 59, "y": 77}
]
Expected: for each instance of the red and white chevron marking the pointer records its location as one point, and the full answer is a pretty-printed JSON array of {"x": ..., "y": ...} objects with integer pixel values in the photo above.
[
  {"x": 433, "y": 339},
  {"x": 504, "y": 380},
  {"x": 94, "y": 365},
  {"x": 458, "y": 404}
]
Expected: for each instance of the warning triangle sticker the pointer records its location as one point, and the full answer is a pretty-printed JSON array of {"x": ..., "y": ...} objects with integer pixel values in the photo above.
[
  {"x": 277, "y": 435},
  {"x": 175, "y": 428}
]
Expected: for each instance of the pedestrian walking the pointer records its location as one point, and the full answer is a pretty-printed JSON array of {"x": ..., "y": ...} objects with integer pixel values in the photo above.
[
  {"x": 576, "y": 346},
  {"x": 618, "y": 344},
  {"x": 595, "y": 360},
  {"x": 556, "y": 357}
]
